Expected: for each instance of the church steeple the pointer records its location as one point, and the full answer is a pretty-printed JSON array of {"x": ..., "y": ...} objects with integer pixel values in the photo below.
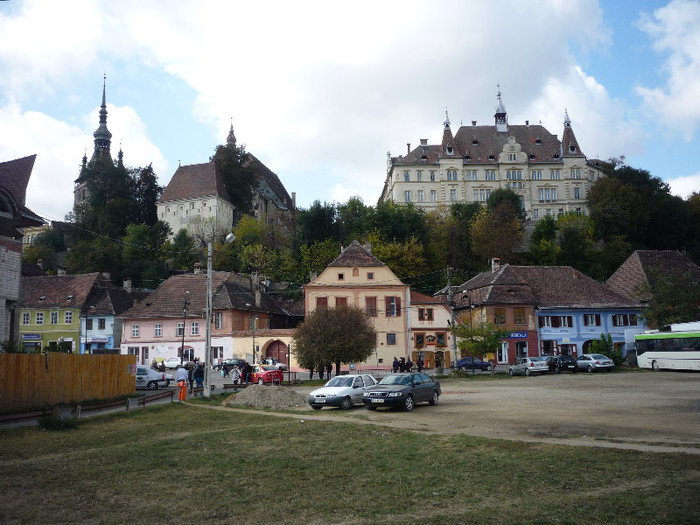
[
  {"x": 501, "y": 117},
  {"x": 103, "y": 137},
  {"x": 447, "y": 137},
  {"x": 569, "y": 143},
  {"x": 231, "y": 139}
]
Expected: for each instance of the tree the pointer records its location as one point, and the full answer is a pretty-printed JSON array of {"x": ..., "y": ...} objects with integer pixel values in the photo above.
[
  {"x": 334, "y": 335},
  {"x": 404, "y": 258},
  {"x": 675, "y": 297},
  {"x": 502, "y": 195},
  {"x": 182, "y": 250},
  {"x": 316, "y": 257},
  {"x": 317, "y": 224},
  {"x": 354, "y": 220},
  {"x": 400, "y": 222},
  {"x": 544, "y": 250},
  {"x": 147, "y": 191},
  {"x": 237, "y": 172},
  {"x": 605, "y": 346},
  {"x": 575, "y": 240},
  {"x": 479, "y": 340},
  {"x": 143, "y": 259},
  {"x": 497, "y": 233}
]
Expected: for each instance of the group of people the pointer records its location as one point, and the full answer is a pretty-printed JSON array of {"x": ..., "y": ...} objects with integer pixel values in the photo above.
[
  {"x": 189, "y": 375},
  {"x": 236, "y": 373},
  {"x": 328, "y": 368},
  {"x": 404, "y": 365}
]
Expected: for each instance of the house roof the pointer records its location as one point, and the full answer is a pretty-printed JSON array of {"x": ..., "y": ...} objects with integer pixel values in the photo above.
[
  {"x": 195, "y": 181},
  {"x": 356, "y": 255},
  {"x": 270, "y": 185},
  {"x": 419, "y": 298},
  {"x": 14, "y": 177},
  {"x": 109, "y": 300},
  {"x": 640, "y": 268},
  {"x": 57, "y": 291},
  {"x": 541, "y": 286}
]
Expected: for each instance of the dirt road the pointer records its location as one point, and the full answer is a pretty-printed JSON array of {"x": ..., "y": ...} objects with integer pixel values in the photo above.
[{"x": 641, "y": 411}]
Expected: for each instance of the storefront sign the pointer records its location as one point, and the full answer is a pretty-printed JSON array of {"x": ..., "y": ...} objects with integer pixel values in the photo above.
[
  {"x": 517, "y": 335},
  {"x": 28, "y": 337}
]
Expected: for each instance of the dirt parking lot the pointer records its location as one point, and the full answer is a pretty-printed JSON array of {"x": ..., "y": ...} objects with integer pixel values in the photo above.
[{"x": 642, "y": 411}]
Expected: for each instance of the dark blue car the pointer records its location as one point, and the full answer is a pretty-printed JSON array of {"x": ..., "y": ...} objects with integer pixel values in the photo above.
[{"x": 469, "y": 363}]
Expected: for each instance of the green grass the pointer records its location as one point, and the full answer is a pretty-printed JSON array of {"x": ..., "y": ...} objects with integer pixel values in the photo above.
[{"x": 179, "y": 463}]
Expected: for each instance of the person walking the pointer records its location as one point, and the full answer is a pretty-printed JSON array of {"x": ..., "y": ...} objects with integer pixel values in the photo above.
[
  {"x": 198, "y": 375},
  {"x": 395, "y": 365},
  {"x": 419, "y": 365},
  {"x": 181, "y": 378}
]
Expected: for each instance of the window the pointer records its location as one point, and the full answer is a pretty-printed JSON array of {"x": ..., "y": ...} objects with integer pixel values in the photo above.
[
  {"x": 577, "y": 192},
  {"x": 341, "y": 276},
  {"x": 471, "y": 175},
  {"x": 420, "y": 195},
  {"x": 101, "y": 323},
  {"x": 341, "y": 302},
  {"x": 25, "y": 317},
  {"x": 519, "y": 315},
  {"x": 554, "y": 174},
  {"x": 556, "y": 321},
  {"x": 419, "y": 176},
  {"x": 432, "y": 176},
  {"x": 536, "y": 174},
  {"x": 575, "y": 174},
  {"x": 547, "y": 194},
  {"x": 433, "y": 195},
  {"x": 512, "y": 157},
  {"x": 88, "y": 324},
  {"x": 68, "y": 317},
  {"x": 490, "y": 175},
  {"x": 157, "y": 330},
  {"x": 406, "y": 176},
  {"x": 425, "y": 314},
  {"x": 453, "y": 195},
  {"x": 355, "y": 272},
  {"x": 536, "y": 213},
  {"x": 194, "y": 328},
  {"x": 54, "y": 318},
  {"x": 370, "y": 276},
  {"x": 40, "y": 318},
  {"x": 393, "y": 306},
  {"x": 440, "y": 339},
  {"x": 545, "y": 322},
  {"x": 217, "y": 352},
  {"x": 371, "y": 306},
  {"x": 391, "y": 338},
  {"x": 134, "y": 330},
  {"x": 624, "y": 320},
  {"x": 180, "y": 329},
  {"x": 591, "y": 320},
  {"x": 420, "y": 340},
  {"x": 407, "y": 196},
  {"x": 321, "y": 303},
  {"x": 499, "y": 316},
  {"x": 218, "y": 320}
]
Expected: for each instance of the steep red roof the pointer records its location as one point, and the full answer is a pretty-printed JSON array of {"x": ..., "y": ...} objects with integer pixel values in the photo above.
[{"x": 356, "y": 255}]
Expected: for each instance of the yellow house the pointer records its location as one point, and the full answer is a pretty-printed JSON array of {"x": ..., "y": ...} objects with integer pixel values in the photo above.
[{"x": 357, "y": 278}]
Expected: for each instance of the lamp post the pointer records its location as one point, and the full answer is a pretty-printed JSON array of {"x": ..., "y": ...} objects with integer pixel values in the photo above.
[
  {"x": 184, "y": 323},
  {"x": 253, "y": 322},
  {"x": 207, "y": 345}
]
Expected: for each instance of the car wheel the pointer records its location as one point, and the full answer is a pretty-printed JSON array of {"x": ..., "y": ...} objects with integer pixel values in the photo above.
[
  {"x": 316, "y": 407},
  {"x": 435, "y": 399},
  {"x": 655, "y": 366},
  {"x": 510, "y": 371},
  {"x": 527, "y": 372},
  {"x": 558, "y": 370},
  {"x": 152, "y": 385},
  {"x": 260, "y": 381},
  {"x": 346, "y": 404},
  {"x": 590, "y": 369},
  {"x": 408, "y": 404}
]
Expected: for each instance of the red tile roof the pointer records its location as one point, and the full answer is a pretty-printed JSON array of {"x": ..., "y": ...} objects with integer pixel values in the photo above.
[
  {"x": 356, "y": 255},
  {"x": 57, "y": 291}
]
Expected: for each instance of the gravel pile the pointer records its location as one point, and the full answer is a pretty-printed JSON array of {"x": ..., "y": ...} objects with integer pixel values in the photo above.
[{"x": 276, "y": 397}]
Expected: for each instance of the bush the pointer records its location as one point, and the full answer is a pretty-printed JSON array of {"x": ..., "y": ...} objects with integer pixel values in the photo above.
[
  {"x": 605, "y": 346},
  {"x": 58, "y": 423}
]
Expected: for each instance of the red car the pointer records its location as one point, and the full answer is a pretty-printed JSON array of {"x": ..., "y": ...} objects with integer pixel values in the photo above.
[{"x": 266, "y": 374}]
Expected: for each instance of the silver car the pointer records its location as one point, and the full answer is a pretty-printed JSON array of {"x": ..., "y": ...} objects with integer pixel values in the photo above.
[
  {"x": 529, "y": 365},
  {"x": 341, "y": 391},
  {"x": 594, "y": 362}
]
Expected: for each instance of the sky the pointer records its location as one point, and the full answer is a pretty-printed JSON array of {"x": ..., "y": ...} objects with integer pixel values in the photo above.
[{"x": 320, "y": 91}]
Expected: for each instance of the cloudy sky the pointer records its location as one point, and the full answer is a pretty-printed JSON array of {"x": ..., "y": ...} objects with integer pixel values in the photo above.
[{"x": 320, "y": 91}]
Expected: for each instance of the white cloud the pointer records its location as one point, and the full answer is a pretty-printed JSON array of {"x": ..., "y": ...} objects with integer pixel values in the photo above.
[
  {"x": 675, "y": 33},
  {"x": 685, "y": 186}
]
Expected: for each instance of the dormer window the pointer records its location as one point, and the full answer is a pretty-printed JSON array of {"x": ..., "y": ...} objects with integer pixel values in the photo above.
[
  {"x": 490, "y": 157},
  {"x": 450, "y": 150},
  {"x": 467, "y": 157},
  {"x": 42, "y": 298},
  {"x": 69, "y": 298},
  {"x": 475, "y": 142},
  {"x": 538, "y": 141}
]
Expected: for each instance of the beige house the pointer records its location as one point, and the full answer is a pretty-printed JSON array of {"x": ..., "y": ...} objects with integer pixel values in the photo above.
[
  {"x": 357, "y": 278},
  {"x": 550, "y": 176},
  {"x": 429, "y": 327}
]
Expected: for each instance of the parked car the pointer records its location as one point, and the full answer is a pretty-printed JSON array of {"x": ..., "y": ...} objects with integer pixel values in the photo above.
[
  {"x": 172, "y": 362},
  {"x": 402, "y": 390},
  {"x": 262, "y": 374},
  {"x": 559, "y": 363},
  {"x": 594, "y": 362},
  {"x": 147, "y": 377},
  {"x": 228, "y": 364},
  {"x": 275, "y": 363},
  {"x": 528, "y": 366},
  {"x": 469, "y": 363},
  {"x": 341, "y": 391}
]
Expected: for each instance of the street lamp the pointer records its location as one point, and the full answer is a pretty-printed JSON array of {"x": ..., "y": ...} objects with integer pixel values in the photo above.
[
  {"x": 184, "y": 324},
  {"x": 207, "y": 347},
  {"x": 253, "y": 322}
]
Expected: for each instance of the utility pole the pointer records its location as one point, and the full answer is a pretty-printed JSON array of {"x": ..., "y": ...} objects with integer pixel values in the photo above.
[{"x": 450, "y": 302}]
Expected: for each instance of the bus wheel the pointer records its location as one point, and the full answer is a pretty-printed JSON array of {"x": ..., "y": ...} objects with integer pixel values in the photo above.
[{"x": 655, "y": 366}]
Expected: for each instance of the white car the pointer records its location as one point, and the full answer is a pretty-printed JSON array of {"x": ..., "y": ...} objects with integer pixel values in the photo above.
[
  {"x": 146, "y": 377},
  {"x": 341, "y": 391},
  {"x": 275, "y": 363},
  {"x": 172, "y": 362},
  {"x": 529, "y": 365}
]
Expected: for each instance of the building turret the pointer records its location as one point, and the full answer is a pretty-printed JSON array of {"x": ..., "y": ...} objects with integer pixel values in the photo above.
[
  {"x": 501, "y": 117},
  {"x": 103, "y": 138}
]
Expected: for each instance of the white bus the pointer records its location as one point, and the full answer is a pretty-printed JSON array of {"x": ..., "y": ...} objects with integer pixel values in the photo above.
[{"x": 675, "y": 350}]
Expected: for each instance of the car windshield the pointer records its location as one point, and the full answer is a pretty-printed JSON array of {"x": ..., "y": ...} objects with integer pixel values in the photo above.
[
  {"x": 395, "y": 379},
  {"x": 538, "y": 359},
  {"x": 268, "y": 367},
  {"x": 598, "y": 356},
  {"x": 340, "y": 381}
]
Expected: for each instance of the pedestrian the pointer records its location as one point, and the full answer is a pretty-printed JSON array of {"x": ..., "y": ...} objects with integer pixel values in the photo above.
[
  {"x": 235, "y": 374},
  {"x": 402, "y": 364},
  {"x": 419, "y": 365},
  {"x": 181, "y": 378},
  {"x": 409, "y": 365},
  {"x": 395, "y": 365},
  {"x": 198, "y": 375},
  {"x": 190, "y": 378},
  {"x": 329, "y": 369},
  {"x": 247, "y": 370}
]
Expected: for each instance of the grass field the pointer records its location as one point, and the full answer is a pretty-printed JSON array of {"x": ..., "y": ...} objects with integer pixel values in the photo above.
[{"x": 192, "y": 464}]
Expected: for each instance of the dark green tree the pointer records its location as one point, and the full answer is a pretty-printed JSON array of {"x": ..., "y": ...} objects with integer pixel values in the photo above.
[
  {"x": 317, "y": 224},
  {"x": 544, "y": 247},
  {"x": 400, "y": 222},
  {"x": 479, "y": 340},
  {"x": 147, "y": 191},
  {"x": 502, "y": 195},
  {"x": 182, "y": 250},
  {"x": 334, "y": 335},
  {"x": 143, "y": 259},
  {"x": 354, "y": 220},
  {"x": 238, "y": 172},
  {"x": 675, "y": 297}
]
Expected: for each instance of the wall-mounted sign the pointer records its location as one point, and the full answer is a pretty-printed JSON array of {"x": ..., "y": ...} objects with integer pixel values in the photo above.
[{"x": 517, "y": 335}]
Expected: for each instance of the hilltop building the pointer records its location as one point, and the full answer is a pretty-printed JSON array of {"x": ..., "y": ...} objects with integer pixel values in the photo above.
[
  {"x": 550, "y": 176},
  {"x": 196, "y": 195}
]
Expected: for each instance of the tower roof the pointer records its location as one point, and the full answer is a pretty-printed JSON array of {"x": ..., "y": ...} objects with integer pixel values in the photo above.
[{"x": 102, "y": 135}]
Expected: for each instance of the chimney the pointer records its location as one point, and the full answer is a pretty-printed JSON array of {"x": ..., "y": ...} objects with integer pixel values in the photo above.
[
  {"x": 294, "y": 199},
  {"x": 527, "y": 122},
  {"x": 126, "y": 283},
  {"x": 197, "y": 268},
  {"x": 495, "y": 264},
  {"x": 408, "y": 148},
  {"x": 61, "y": 271},
  {"x": 367, "y": 246},
  {"x": 473, "y": 122},
  {"x": 423, "y": 142}
]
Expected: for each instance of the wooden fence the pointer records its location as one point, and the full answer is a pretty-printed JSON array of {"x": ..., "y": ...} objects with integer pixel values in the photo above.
[{"x": 32, "y": 381}]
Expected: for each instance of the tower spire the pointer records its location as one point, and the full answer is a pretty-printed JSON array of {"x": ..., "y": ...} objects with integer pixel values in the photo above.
[
  {"x": 501, "y": 117},
  {"x": 103, "y": 137},
  {"x": 231, "y": 139}
]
